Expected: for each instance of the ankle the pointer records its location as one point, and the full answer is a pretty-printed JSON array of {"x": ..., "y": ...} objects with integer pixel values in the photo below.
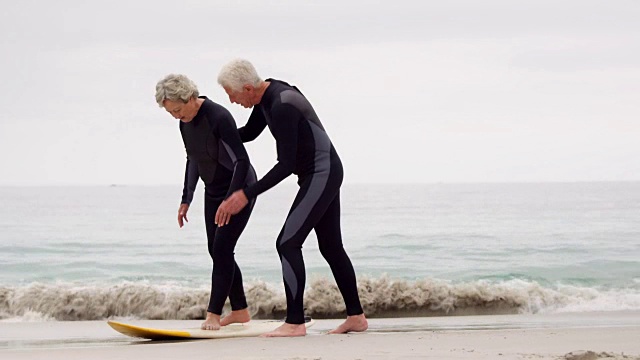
[{"x": 212, "y": 316}]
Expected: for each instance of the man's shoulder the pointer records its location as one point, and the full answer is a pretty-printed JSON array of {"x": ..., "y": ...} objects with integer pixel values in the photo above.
[{"x": 278, "y": 83}]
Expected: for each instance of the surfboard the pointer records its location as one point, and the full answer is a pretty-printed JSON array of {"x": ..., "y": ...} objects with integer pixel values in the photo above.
[{"x": 252, "y": 328}]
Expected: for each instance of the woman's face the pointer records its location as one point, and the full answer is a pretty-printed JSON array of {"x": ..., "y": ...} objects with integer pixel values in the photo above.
[{"x": 184, "y": 112}]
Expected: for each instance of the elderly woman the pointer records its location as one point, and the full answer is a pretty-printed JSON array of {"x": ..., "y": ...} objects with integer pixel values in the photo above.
[{"x": 216, "y": 155}]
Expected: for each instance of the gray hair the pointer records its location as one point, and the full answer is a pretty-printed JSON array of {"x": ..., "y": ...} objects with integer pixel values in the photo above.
[
  {"x": 175, "y": 87},
  {"x": 238, "y": 73}
]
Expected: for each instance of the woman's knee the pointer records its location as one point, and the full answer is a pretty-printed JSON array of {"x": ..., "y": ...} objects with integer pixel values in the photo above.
[
  {"x": 331, "y": 251},
  {"x": 220, "y": 251}
]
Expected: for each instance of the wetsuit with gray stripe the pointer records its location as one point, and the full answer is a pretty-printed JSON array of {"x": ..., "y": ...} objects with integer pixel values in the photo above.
[
  {"x": 216, "y": 155},
  {"x": 303, "y": 149}
]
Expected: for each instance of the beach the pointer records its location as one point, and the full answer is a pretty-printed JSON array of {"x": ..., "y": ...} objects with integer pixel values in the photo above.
[
  {"x": 477, "y": 161},
  {"x": 575, "y": 336}
]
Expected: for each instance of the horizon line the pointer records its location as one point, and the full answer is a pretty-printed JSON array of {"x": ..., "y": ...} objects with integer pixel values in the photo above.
[{"x": 346, "y": 183}]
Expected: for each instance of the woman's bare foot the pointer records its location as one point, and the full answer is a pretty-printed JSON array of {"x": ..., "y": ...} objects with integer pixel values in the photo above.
[
  {"x": 238, "y": 316},
  {"x": 287, "y": 330},
  {"x": 355, "y": 323},
  {"x": 212, "y": 322}
]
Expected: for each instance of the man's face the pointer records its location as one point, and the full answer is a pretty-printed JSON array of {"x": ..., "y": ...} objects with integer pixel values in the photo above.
[
  {"x": 184, "y": 112},
  {"x": 243, "y": 97}
]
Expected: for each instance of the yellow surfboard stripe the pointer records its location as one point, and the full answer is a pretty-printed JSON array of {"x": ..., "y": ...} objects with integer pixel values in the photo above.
[{"x": 147, "y": 333}]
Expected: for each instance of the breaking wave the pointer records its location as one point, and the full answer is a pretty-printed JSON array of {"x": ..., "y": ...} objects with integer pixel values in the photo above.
[{"x": 380, "y": 297}]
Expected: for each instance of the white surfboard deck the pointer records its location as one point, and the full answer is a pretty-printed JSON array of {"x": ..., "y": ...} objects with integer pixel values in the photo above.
[{"x": 252, "y": 328}]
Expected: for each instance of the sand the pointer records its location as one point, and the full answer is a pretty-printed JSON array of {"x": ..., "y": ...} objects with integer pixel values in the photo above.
[{"x": 579, "y": 336}]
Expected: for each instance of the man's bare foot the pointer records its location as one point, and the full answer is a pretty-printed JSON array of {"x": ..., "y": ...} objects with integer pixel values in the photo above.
[
  {"x": 212, "y": 322},
  {"x": 355, "y": 323},
  {"x": 287, "y": 330},
  {"x": 235, "y": 317}
]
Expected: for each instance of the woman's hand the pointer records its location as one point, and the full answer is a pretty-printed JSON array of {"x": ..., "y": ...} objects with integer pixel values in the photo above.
[{"x": 182, "y": 214}]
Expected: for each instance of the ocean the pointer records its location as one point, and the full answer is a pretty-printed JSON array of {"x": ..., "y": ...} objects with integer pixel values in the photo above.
[{"x": 104, "y": 252}]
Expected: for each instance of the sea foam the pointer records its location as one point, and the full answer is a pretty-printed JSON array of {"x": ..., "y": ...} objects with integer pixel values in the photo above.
[{"x": 381, "y": 297}]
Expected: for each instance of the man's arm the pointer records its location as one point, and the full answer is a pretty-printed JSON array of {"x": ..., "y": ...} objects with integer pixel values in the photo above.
[
  {"x": 254, "y": 126},
  {"x": 286, "y": 120}
]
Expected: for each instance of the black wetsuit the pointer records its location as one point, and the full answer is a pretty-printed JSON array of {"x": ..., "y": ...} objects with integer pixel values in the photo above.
[
  {"x": 303, "y": 149},
  {"x": 216, "y": 154}
]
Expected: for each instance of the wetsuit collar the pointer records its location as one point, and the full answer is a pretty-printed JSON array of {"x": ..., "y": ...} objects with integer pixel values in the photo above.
[
  {"x": 201, "y": 105},
  {"x": 268, "y": 93}
]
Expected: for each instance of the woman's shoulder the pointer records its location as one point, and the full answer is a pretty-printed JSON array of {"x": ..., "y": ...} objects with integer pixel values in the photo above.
[{"x": 214, "y": 108}]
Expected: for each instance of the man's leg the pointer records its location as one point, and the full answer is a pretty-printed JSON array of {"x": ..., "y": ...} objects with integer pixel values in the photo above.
[
  {"x": 330, "y": 244},
  {"x": 309, "y": 205}
]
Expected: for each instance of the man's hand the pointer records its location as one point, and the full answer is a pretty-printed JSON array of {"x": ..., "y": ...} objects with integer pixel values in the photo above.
[
  {"x": 233, "y": 205},
  {"x": 182, "y": 214}
]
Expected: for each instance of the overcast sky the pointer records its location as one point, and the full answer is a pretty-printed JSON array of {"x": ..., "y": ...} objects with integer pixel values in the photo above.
[{"x": 409, "y": 91}]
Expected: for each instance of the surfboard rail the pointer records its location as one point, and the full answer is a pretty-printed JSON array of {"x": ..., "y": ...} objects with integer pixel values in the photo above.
[{"x": 251, "y": 328}]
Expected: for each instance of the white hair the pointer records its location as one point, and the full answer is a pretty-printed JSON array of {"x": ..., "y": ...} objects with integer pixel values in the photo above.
[
  {"x": 175, "y": 87},
  {"x": 238, "y": 73}
]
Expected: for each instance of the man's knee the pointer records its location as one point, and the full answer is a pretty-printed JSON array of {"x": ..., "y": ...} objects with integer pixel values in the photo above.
[{"x": 284, "y": 247}]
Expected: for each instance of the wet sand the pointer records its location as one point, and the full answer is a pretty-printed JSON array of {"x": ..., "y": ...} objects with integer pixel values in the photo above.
[{"x": 575, "y": 336}]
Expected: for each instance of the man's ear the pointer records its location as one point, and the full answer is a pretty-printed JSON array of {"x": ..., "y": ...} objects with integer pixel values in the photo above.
[{"x": 248, "y": 87}]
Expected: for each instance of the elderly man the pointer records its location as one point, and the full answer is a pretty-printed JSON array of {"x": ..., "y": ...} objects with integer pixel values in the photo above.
[{"x": 304, "y": 149}]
